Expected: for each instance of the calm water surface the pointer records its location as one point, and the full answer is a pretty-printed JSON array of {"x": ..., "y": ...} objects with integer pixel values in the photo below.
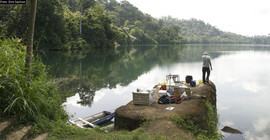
[{"x": 104, "y": 80}]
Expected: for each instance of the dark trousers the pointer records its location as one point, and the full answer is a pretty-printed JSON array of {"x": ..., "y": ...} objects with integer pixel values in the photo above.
[{"x": 206, "y": 70}]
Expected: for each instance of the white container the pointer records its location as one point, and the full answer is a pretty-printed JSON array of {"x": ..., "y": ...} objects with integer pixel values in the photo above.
[
  {"x": 162, "y": 92},
  {"x": 141, "y": 97}
]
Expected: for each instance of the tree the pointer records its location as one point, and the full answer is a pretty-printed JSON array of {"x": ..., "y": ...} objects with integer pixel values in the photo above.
[
  {"x": 30, "y": 35},
  {"x": 97, "y": 28}
]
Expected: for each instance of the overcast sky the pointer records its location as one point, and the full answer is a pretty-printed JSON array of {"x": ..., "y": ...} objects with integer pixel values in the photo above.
[{"x": 245, "y": 17}]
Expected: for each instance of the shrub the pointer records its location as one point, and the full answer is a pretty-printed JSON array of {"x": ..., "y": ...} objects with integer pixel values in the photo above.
[
  {"x": 24, "y": 97},
  {"x": 211, "y": 133}
]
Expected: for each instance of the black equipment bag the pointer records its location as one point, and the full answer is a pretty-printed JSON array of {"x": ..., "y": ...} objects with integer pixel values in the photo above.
[{"x": 189, "y": 78}]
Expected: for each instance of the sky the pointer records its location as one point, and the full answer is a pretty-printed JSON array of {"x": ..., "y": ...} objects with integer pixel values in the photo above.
[{"x": 245, "y": 17}]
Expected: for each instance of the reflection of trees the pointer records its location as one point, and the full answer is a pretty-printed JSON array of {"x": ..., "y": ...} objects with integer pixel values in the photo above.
[
  {"x": 81, "y": 72},
  {"x": 215, "y": 50},
  {"x": 90, "y": 70},
  {"x": 86, "y": 96}
]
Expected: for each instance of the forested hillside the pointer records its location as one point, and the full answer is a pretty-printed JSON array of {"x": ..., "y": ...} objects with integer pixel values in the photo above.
[
  {"x": 141, "y": 28},
  {"x": 77, "y": 24},
  {"x": 197, "y": 31},
  {"x": 169, "y": 30}
]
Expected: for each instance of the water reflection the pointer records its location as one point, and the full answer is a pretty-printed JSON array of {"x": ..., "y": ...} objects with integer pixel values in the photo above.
[
  {"x": 243, "y": 83},
  {"x": 103, "y": 79}
]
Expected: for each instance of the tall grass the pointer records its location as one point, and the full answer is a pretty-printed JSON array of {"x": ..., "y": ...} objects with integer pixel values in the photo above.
[{"x": 23, "y": 97}]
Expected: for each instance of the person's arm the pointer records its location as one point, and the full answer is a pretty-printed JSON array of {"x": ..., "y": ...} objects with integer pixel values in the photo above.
[{"x": 210, "y": 64}]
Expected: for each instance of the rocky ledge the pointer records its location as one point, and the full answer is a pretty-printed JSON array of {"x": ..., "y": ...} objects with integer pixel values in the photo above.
[{"x": 130, "y": 116}]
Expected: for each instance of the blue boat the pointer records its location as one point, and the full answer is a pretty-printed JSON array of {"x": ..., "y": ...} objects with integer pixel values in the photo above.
[
  {"x": 98, "y": 119},
  {"x": 104, "y": 119}
]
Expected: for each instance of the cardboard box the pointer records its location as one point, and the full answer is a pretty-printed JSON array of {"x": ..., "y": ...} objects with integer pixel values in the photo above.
[
  {"x": 178, "y": 91},
  {"x": 188, "y": 92}
]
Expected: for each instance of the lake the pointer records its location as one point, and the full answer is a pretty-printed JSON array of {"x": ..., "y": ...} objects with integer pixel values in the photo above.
[{"x": 103, "y": 79}]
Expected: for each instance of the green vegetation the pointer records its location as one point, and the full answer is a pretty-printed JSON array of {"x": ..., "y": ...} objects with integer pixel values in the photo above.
[
  {"x": 31, "y": 99},
  {"x": 139, "y": 27},
  {"x": 76, "y": 24},
  {"x": 211, "y": 133},
  {"x": 58, "y": 28},
  {"x": 61, "y": 130},
  {"x": 72, "y": 133},
  {"x": 197, "y": 31},
  {"x": 24, "y": 98}
]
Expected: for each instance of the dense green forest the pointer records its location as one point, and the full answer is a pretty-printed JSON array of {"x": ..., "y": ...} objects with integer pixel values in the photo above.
[
  {"x": 77, "y": 24},
  {"x": 197, "y": 31}
]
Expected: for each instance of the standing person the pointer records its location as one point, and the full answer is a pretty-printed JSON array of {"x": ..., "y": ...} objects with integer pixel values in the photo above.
[{"x": 206, "y": 66}]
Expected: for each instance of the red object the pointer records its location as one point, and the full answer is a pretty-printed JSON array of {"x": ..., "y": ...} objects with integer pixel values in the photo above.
[{"x": 163, "y": 87}]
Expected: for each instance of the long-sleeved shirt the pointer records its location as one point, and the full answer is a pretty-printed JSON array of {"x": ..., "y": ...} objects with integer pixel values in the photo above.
[{"x": 206, "y": 61}]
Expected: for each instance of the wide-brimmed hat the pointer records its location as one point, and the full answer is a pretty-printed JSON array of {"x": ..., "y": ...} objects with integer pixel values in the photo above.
[{"x": 205, "y": 53}]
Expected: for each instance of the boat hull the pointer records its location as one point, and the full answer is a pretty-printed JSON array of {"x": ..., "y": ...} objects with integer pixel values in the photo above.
[{"x": 93, "y": 120}]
